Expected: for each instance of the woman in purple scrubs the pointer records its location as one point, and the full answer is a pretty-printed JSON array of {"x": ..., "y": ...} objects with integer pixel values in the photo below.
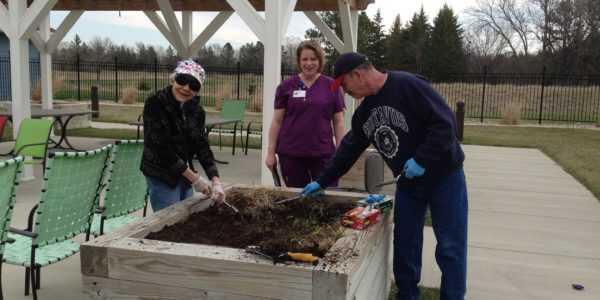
[{"x": 308, "y": 119}]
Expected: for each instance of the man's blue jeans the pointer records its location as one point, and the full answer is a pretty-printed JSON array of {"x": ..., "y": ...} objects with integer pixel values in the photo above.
[
  {"x": 447, "y": 201},
  {"x": 163, "y": 195}
]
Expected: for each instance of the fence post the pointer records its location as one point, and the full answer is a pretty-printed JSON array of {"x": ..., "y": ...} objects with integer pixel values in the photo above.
[
  {"x": 485, "y": 71},
  {"x": 95, "y": 103},
  {"x": 542, "y": 95},
  {"x": 238, "y": 80},
  {"x": 155, "y": 74},
  {"x": 116, "y": 81},
  {"x": 78, "y": 79},
  {"x": 460, "y": 119}
]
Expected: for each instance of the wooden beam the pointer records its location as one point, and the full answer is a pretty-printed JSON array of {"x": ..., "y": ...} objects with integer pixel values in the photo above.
[
  {"x": 160, "y": 24},
  {"x": 250, "y": 17},
  {"x": 196, "y": 5},
  {"x": 62, "y": 30},
  {"x": 347, "y": 29},
  {"x": 37, "y": 41},
  {"x": 209, "y": 31},
  {"x": 187, "y": 20},
  {"x": 325, "y": 30},
  {"x": 169, "y": 15},
  {"x": 4, "y": 20},
  {"x": 38, "y": 10},
  {"x": 286, "y": 16}
]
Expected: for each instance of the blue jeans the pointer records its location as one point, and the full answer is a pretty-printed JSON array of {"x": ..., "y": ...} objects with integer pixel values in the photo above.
[
  {"x": 163, "y": 195},
  {"x": 447, "y": 201}
]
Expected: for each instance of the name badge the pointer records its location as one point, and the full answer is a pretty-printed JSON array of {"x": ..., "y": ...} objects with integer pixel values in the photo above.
[{"x": 299, "y": 94}]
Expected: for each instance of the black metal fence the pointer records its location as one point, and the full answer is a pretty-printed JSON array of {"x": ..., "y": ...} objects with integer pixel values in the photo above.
[{"x": 540, "y": 97}]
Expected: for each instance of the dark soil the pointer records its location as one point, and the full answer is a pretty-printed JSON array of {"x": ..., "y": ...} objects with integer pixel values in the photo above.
[{"x": 306, "y": 225}]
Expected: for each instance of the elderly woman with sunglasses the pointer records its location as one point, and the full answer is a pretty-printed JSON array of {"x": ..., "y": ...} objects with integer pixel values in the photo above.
[{"x": 173, "y": 135}]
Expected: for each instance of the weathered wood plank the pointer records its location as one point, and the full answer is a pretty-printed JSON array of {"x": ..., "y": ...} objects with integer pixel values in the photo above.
[
  {"x": 329, "y": 285},
  {"x": 211, "y": 268},
  {"x": 94, "y": 260},
  {"x": 99, "y": 288},
  {"x": 374, "y": 281}
]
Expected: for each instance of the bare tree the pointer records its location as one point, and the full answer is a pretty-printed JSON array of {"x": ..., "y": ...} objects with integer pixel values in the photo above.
[
  {"x": 484, "y": 46},
  {"x": 509, "y": 19},
  {"x": 540, "y": 12}
]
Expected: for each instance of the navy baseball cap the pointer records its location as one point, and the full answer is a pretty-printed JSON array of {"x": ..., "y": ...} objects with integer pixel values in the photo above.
[{"x": 344, "y": 65}]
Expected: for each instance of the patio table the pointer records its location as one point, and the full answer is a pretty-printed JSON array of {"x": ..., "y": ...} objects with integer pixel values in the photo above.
[{"x": 57, "y": 115}]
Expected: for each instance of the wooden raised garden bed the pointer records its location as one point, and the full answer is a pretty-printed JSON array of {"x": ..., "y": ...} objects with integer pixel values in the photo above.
[{"x": 126, "y": 264}]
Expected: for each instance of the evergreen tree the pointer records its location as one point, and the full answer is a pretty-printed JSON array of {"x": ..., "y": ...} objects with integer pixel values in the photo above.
[
  {"x": 445, "y": 53},
  {"x": 394, "y": 45},
  {"x": 251, "y": 55},
  {"x": 227, "y": 56},
  {"x": 170, "y": 58},
  {"x": 415, "y": 38},
  {"x": 375, "y": 38}
]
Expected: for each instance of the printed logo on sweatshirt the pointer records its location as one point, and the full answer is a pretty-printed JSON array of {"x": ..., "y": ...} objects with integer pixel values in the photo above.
[
  {"x": 380, "y": 128},
  {"x": 386, "y": 141}
]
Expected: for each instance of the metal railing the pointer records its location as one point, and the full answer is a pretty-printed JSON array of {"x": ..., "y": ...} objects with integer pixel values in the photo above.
[{"x": 535, "y": 97}]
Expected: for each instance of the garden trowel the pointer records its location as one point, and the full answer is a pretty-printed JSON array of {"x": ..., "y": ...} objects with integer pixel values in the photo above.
[{"x": 289, "y": 199}]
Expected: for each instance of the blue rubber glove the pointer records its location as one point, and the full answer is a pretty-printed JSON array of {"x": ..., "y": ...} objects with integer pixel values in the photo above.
[
  {"x": 312, "y": 189},
  {"x": 374, "y": 198},
  {"x": 412, "y": 169}
]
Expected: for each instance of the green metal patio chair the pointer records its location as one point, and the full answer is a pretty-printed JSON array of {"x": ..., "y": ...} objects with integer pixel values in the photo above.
[
  {"x": 126, "y": 189},
  {"x": 236, "y": 110},
  {"x": 32, "y": 140},
  {"x": 9, "y": 169},
  {"x": 71, "y": 187}
]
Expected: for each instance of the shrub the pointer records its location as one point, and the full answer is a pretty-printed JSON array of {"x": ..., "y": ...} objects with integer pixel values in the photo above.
[
  {"x": 143, "y": 86},
  {"x": 129, "y": 96},
  {"x": 36, "y": 93},
  {"x": 511, "y": 114}
]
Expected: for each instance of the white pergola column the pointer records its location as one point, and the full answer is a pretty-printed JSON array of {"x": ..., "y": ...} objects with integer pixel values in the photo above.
[
  {"x": 19, "y": 57},
  {"x": 270, "y": 30},
  {"x": 19, "y": 23},
  {"x": 272, "y": 74},
  {"x": 349, "y": 20},
  {"x": 46, "y": 66}
]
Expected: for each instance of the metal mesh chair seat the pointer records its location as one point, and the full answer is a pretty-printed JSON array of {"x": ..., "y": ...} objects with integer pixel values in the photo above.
[
  {"x": 71, "y": 187},
  {"x": 111, "y": 224},
  {"x": 9, "y": 170},
  {"x": 126, "y": 189},
  {"x": 19, "y": 252}
]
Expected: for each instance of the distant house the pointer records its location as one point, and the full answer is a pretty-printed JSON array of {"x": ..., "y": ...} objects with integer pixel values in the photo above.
[{"x": 34, "y": 56}]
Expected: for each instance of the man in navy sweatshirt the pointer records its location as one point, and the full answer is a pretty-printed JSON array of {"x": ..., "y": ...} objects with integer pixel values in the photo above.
[{"x": 414, "y": 130}]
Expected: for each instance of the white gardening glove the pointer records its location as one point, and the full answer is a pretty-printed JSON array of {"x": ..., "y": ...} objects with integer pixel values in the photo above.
[
  {"x": 218, "y": 194},
  {"x": 201, "y": 185}
]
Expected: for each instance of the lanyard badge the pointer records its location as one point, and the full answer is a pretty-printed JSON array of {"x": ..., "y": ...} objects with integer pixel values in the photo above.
[{"x": 300, "y": 92}]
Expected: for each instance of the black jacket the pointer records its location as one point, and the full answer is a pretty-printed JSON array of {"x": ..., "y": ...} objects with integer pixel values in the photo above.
[{"x": 173, "y": 135}]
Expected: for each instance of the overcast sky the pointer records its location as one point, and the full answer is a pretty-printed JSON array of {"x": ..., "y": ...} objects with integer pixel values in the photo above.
[{"x": 132, "y": 27}]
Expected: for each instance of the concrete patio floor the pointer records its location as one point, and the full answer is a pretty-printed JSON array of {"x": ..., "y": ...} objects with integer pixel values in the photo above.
[{"x": 533, "y": 229}]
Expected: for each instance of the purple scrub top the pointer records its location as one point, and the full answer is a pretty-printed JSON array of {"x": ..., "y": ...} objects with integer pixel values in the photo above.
[{"x": 306, "y": 129}]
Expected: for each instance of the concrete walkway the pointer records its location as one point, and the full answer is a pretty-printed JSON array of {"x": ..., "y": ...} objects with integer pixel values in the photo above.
[{"x": 533, "y": 228}]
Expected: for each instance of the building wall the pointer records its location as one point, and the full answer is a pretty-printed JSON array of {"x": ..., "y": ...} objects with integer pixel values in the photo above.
[{"x": 34, "y": 56}]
